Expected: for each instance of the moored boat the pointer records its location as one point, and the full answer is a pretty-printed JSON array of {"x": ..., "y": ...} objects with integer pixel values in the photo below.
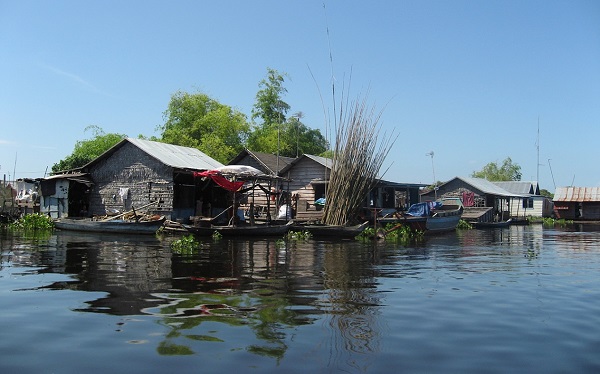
[
  {"x": 331, "y": 231},
  {"x": 241, "y": 230},
  {"x": 109, "y": 226},
  {"x": 492, "y": 225},
  {"x": 431, "y": 217}
]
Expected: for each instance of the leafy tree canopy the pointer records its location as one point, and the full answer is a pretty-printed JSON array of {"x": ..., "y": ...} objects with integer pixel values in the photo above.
[
  {"x": 269, "y": 106},
  {"x": 509, "y": 171},
  {"x": 276, "y": 132},
  {"x": 87, "y": 150},
  {"x": 198, "y": 121}
]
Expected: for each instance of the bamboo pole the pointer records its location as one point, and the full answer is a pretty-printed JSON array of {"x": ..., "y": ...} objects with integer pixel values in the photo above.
[{"x": 129, "y": 211}]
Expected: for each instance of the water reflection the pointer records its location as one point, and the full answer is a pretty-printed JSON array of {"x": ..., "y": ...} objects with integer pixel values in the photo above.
[{"x": 267, "y": 298}]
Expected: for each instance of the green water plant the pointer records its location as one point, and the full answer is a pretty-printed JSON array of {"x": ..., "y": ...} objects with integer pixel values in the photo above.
[
  {"x": 391, "y": 232},
  {"x": 549, "y": 221},
  {"x": 33, "y": 222},
  {"x": 298, "y": 235},
  {"x": 185, "y": 245},
  {"x": 464, "y": 225}
]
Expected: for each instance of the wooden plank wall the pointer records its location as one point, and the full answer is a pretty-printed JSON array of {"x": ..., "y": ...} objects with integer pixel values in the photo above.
[{"x": 146, "y": 178}]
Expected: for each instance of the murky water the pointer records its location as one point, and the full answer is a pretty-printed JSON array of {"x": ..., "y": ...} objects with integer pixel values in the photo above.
[{"x": 523, "y": 299}]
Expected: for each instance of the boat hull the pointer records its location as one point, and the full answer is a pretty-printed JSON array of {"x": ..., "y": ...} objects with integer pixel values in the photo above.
[
  {"x": 260, "y": 230},
  {"x": 432, "y": 225},
  {"x": 332, "y": 231},
  {"x": 110, "y": 227}
]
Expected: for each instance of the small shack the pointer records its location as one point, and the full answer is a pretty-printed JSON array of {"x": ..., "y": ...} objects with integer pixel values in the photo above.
[
  {"x": 577, "y": 203},
  {"x": 135, "y": 173}
]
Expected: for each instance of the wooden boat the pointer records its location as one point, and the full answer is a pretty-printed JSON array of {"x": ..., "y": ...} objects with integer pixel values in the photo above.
[
  {"x": 331, "y": 231},
  {"x": 241, "y": 230},
  {"x": 111, "y": 227},
  {"x": 430, "y": 217},
  {"x": 492, "y": 225}
]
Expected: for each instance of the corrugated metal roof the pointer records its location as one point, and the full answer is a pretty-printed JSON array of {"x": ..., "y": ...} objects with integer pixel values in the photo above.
[
  {"x": 177, "y": 156},
  {"x": 518, "y": 187},
  {"x": 577, "y": 194},
  {"x": 327, "y": 162},
  {"x": 488, "y": 187}
]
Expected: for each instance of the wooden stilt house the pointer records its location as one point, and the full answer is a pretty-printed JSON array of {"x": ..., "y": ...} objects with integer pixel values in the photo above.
[{"x": 138, "y": 173}]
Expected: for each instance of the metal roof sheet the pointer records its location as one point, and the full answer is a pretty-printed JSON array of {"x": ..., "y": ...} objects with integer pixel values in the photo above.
[
  {"x": 518, "y": 187},
  {"x": 577, "y": 194},
  {"x": 488, "y": 187},
  {"x": 177, "y": 156}
]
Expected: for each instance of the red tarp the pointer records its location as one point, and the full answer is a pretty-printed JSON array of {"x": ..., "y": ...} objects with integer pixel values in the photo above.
[{"x": 220, "y": 180}]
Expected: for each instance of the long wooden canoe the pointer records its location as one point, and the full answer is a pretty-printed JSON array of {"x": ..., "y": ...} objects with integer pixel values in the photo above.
[
  {"x": 243, "y": 230},
  {"x": 113, "y": 227},
  {"x": 331, "y": 231}
]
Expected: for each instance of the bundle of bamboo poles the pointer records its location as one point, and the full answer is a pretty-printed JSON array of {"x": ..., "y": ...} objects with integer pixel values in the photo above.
[{"x": 357, "y": 159}]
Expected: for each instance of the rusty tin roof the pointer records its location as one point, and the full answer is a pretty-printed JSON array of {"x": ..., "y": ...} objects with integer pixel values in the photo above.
[{"x": 577, "y": 194}]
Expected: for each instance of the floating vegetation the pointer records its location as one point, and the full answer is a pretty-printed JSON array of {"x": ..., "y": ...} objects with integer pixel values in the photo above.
[
  {"x": 298, "y": 235},
  {"x": 556, "y": 222},
  {"x": 403, "y": 234},
  {"x": 393, "y": 233},
  {"x": 186, "y": 245},
  {"x": 33, "y": 222},
  {"x": 217, "y": 235},
  {"x": 464, "y": 225}
]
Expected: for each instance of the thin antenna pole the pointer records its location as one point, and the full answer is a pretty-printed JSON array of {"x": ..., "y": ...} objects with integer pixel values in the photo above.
[
  {"x": 551, "y": 173},
  {"x": 433, "y": 169},
  {"x": 538, "y": 152},
  {"x": 15, "y": 169}
]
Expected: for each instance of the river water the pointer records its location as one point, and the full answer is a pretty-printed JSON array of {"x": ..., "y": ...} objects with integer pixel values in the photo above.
[{"x": 520, "y": 300}]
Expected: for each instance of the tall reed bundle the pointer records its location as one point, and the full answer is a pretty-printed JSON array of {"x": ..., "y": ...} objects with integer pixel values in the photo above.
[{"x": 357, "y": 159}]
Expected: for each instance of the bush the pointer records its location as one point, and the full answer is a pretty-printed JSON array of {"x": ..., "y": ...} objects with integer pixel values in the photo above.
[
  {"x": 185, "y": 245},
  {"x": 33, "y": 222}
]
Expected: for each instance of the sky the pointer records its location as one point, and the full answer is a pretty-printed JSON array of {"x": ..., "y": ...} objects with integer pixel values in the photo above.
[{"x": 473, "y": 82}]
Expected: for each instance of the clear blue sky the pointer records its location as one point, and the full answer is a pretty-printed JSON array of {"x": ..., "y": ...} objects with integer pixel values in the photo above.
[{"x": 467, "y": 80}]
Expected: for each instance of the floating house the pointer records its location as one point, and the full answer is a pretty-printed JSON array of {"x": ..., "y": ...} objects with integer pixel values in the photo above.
[
  {"x": 309, "y": 178},
  {"x": 270, "y": 165},
  {"x": 577, "y": 203},
  {"x": 135, "y": 173},
  {"x": 486, "y": 201},
  {"x": 529, "y": 202}
]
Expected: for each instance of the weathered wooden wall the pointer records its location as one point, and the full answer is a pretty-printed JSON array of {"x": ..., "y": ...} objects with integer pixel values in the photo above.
[
  {"x": 146, "y": 178},
  {"x": 301, "y": 175}
]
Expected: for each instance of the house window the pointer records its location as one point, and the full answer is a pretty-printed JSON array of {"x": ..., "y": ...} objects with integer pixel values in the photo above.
[{"x": 528, "y": 203}]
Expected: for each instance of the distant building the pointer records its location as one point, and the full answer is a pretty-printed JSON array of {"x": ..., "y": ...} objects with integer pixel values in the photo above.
[
  {"x": 577, "y": 203},
  {"x": 487, "y": 201}
]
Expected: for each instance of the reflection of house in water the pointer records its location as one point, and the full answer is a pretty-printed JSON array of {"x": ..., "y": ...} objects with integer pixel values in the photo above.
[{"x": 127, "y": 269}]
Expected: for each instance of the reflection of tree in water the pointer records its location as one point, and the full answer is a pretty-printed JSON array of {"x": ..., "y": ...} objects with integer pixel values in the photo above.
[
  {"x": 353, "y": 306},
  {"x": 239, "y": 285},
  {"x": 191, "y": 318}
]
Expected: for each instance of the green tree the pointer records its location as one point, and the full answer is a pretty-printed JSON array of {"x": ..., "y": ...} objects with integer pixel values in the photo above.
[
  {"x": 87, "y": 150},
  {"x": 546, "y": 193},
  {"x": 269, "y": 106},
  {"x": 275, "y": 132},
  {"x": 297, "y": 138},
  {"x": 509, "y": 171},
  {"x": 198, "y": 121}
]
